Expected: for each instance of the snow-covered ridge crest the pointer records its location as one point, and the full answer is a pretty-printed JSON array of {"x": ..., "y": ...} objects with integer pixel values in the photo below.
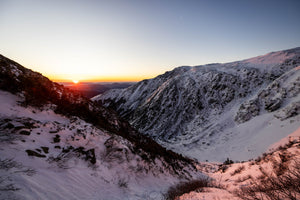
[
  {"x": 274, "y": 57},
  {"x": 198, "y": 110}
]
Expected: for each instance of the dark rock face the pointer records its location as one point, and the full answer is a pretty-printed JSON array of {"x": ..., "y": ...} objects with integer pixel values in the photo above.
[
  {"x": 179, "y": 99},
  {"x": 271, "y": 98},
  {"x": 247, "y": 111},
  {"x": 289, "y": 111}
]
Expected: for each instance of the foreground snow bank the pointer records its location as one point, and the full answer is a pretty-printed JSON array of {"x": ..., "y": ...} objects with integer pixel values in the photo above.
[
  {"x": 44, "y": 155},
  {"x": 277, "y": 172}
]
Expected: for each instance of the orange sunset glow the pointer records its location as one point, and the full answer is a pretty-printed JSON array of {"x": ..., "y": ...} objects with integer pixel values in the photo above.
[{"x": 92, "y": 78}]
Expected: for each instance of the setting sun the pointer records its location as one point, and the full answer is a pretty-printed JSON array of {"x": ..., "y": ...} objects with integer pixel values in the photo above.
[{"x": 75, "y": 81}]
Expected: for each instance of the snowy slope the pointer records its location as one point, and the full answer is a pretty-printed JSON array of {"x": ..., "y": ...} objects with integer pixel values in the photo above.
[
  {"x": 117, "y": 174},
  {"x": 216, "y": 111},
  {"x": 228, "y": 179},
  {"x": 55, "y": 144}
]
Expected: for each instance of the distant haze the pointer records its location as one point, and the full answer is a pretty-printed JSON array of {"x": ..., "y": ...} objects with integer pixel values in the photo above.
[
  {"x": 119, "y": 40},
  {"x": 91, "y": 89}
]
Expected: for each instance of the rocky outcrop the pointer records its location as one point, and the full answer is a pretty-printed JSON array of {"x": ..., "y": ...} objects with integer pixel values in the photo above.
[{"x": 273, "y": 97}]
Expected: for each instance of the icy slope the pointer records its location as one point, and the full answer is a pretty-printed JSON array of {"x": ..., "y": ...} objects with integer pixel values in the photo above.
[{"x": 204, "y": 111}]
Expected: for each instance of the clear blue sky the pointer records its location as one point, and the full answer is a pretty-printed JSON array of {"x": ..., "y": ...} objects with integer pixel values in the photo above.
[{"x": 132, "y": 40}]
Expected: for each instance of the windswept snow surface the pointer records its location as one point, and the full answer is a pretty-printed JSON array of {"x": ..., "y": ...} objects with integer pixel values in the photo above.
[
  {"x": 212, "y": 112},
  {"x": 63, "y": 165},
  {"x": 274, "y": 57}
]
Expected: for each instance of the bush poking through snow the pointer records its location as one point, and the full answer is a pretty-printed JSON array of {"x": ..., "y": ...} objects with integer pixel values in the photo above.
[
  {"x": 56, "y": 139},
  {"x": 238, "y": 170},
  {"x": 228, "y": 162},
  {"x": 274, "y": 187},
  {"x": 223, "y": 167},
  {"x": 186, "y": 187},
  {"x": 122, "y": 183}
]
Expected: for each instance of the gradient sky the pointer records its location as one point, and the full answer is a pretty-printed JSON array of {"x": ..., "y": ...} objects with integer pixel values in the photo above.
[{"x": 132, "y": 40}]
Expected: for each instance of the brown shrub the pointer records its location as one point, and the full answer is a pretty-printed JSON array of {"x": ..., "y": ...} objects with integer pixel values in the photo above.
[
  {"x": 185, "y": 187},
  {"x": 273, "y": 187},
  {"x": 238, "y": 170}
]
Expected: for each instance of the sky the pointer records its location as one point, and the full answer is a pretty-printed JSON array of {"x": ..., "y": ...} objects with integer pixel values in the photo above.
[{"x": 131, "y": 40}]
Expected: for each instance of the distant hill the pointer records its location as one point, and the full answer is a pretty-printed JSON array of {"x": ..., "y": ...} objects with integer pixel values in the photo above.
[{"x": 91, "y": 89}]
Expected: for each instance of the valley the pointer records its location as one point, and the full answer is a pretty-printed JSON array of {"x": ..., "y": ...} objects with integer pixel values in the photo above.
[
  {"x": 211, "y": 112},
  {"x": 215, "y": 131}
]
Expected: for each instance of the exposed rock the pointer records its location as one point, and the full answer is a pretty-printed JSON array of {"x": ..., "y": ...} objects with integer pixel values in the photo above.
[
  {"x": 34, "y": 153},
  {"x": 56, "y": 139},
  {"x": 272, "y": 97},
  {"x": 247, "y": 111},
  {"x": 289, "y": 111},
  {"x": 9, "y": 126},
  {"x": 273, "y": 104},
  {"x": 45, "y": 149},
  {"x": 24, "y": 132}
]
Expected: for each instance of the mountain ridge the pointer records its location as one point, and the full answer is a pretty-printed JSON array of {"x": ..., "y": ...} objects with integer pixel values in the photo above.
[{"x": 178, "y": 108}]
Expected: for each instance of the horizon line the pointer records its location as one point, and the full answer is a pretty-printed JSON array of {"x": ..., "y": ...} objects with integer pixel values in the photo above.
[{"x": 77, "y": 78}]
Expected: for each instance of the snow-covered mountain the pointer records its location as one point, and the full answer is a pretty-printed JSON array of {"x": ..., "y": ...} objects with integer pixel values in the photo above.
[
  {"x": 215, "y": 111},
  {"x": 56, "y": 144}
]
